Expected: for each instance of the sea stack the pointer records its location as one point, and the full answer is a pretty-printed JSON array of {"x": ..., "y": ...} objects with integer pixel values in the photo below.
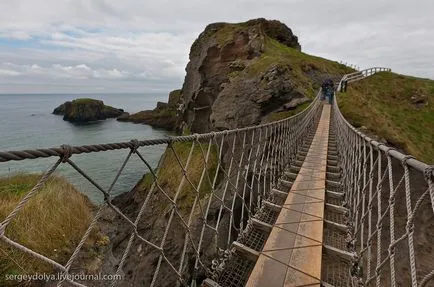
[{"x": 86, "y": 110}]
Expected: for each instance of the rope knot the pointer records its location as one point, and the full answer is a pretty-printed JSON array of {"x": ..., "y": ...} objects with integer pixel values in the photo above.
[
  {"x": 410, "y": 225},
  {"x": 378, "y": 147},
  {"x": 388, "y": 149},
  {"x": 392, "y": 200},
  {"x": 428, "y": 173},
  {"x": 135, "y": 144},
  {"x": 391, "y": 250},
  {"x": 67, "y": 152}
]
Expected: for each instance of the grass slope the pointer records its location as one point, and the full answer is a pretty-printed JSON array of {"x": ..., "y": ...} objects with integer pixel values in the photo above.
[
  {"x": 304, "y": 67},
  {"x": 51, "y": 223},
  {"x": 171, "y": 173},
  {"x": 387, "y": 105}
]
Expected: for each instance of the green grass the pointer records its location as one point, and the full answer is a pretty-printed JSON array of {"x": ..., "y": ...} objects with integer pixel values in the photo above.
[
  {"x": 299, "y": 63},
  {"x": 382, "y": 103},
  {"x": 51, "y": 223},
  {"x": 276, "y": 53},
  {"x": 171, "y": 174},
  {"x": 84, "y": 101}
]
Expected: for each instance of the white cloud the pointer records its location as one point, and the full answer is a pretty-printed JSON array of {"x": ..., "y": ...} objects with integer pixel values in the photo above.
[
  {"x": 12, "y": 73},
  {"x": 58, "y": 71},
  {"x": 84, "y": 44}
]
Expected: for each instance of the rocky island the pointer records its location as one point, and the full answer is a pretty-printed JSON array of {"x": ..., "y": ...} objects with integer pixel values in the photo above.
[{"x": 86, "y": 110}]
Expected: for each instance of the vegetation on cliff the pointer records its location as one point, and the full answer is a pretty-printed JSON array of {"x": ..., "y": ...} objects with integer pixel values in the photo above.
[
  {"x": 398, "y": 108},
  {"x": 86, "y": 110},
  {"x": 163, "y": 116},
  {"x": 241, "y": 74},
  {"x": 51, "y": 223},
  {"x": 170, "y": 173}
]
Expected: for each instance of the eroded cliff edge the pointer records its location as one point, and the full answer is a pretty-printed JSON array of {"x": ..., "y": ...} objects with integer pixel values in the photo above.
[{"x": 244, "y": 74}]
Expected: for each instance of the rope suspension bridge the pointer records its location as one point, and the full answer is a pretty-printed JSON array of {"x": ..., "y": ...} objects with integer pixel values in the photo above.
[{"x": 304, "y": 201}]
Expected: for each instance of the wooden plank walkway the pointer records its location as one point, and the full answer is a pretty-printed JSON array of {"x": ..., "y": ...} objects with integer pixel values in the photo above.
[{"x": 292, "y": 254}]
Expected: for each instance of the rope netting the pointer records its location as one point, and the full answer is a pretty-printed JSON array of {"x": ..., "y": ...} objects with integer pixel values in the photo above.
[
  {"x": 390, "y": 197},
  {"x": 184, "y": 213}
]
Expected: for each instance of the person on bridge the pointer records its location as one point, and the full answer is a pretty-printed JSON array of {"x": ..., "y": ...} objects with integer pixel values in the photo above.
[{"x": 328, "y": 90}]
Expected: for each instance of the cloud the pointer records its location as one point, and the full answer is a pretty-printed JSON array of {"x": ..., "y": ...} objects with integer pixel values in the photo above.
[
  {"x": 110, "y": 45},
  {"x": 10, "y": 73},
  {"x": 58, "y": 71},
  {"x": 16, "y": 35}
]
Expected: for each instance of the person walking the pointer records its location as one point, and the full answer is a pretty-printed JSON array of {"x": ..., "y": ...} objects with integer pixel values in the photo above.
[
  {"x": 324, "y": 90},
  {"x": 330, "y": 91},
  {"x": 327, "y": 89}
]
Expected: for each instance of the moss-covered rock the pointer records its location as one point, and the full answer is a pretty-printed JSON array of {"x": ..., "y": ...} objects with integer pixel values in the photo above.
[{"x": 86, "y": 110}]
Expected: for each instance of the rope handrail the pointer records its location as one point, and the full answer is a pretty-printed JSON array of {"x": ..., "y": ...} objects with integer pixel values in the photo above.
[
  {"x": 417, "y": 164},
  {"x": 60, "y": 151},
  {"x": 201, "y": 213},
  {"x": 379, "y": 183},
  {"x": 218, "y": 183}
]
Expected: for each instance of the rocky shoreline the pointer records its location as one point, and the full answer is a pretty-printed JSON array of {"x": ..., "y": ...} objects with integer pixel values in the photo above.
[
  {"x": 84, "y": 110},
  {"x": 165, "y": 115}
]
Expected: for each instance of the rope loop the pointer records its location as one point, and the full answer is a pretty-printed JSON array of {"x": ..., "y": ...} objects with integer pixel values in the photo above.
[
  {"x": 391, "y": 250},
  {"x": 428, "y": 173},
  {"x": 388, "y": 149},
  {"x": 135, "y": 145},
  {"x": 405, "y": 159},
  {"x": 379, "y": 145},
  {"x": 410, "y": 224},
  {"x": 67, "y": 152}
]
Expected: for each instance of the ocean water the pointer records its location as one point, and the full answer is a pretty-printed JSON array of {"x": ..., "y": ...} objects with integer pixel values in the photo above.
[{"x": 26, "y": 122}]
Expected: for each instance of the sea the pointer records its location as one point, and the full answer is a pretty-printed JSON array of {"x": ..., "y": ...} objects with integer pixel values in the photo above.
[{"x": 27, "y": 122}]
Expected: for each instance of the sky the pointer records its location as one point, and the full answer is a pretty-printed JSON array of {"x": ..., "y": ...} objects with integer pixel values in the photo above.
[{"x": 140, "y": 46}]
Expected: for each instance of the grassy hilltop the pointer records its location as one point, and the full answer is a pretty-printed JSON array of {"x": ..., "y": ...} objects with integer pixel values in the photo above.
[{"x": 395, "y": 107}]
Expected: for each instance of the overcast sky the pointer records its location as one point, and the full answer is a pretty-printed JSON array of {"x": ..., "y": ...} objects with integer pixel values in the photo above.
[{"x": 100, "y": 46}]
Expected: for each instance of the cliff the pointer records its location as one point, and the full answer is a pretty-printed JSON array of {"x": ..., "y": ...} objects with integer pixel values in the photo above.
[
  {"x": 86, "y": 110},
  {"x": 163, "y": 116},
  {"x": 242, "y": 74}
]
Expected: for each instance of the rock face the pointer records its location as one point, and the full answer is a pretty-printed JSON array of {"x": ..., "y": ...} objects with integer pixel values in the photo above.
[
  {"x": 240, "y": 73},
  {"x": 86, "y": 110},
  {"x": 216, "y": 94},
  {"x": 163, "y": 116}
]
